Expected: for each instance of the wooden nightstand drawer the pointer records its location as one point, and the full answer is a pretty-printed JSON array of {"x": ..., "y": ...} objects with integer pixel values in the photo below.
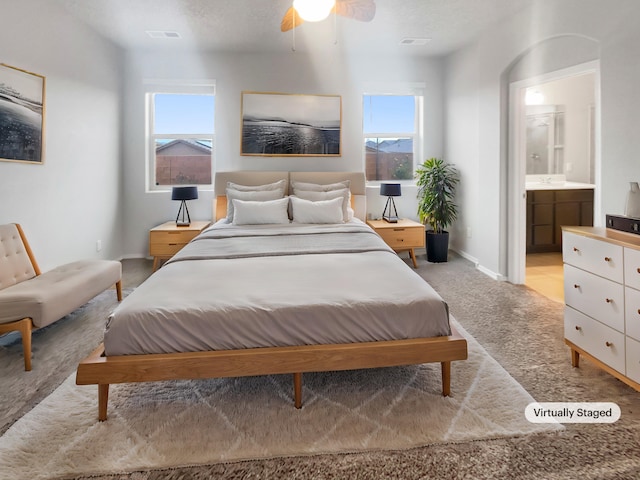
[
  {"x": 178, "y": 236},
  {"x": 406, "y": 235},
  {"x": 402, "y": 237},
  {"x": 165, "y": 249},
  {"x": 168, "y": 239}
]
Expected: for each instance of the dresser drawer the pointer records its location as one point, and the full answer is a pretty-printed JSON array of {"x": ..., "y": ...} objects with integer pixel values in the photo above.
[
  {"x": 632, "y": 268},
  {"x": 633, "y": 359},
  {"x": 632, "y": 312},
  {"x": 403, "y": 237},
  {"x": 602, "y": 258},
  {"x": 604, "y": 343},
  {"x": 595, "y": 296}
]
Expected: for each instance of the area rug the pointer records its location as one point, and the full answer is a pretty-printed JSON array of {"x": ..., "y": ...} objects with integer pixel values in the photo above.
[{"x": 175, "y": 423}]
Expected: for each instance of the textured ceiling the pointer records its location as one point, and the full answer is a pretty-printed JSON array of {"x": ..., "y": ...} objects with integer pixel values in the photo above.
[{"x": 254, "y": 25}]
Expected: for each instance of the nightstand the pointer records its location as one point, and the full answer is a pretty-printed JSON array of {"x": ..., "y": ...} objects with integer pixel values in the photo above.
[
  {"x": 402, "y": 236},
  {"x": 167, "y": 239}
]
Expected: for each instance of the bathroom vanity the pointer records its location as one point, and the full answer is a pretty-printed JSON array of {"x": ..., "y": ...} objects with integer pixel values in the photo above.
[{"x": 552, "y": 203}]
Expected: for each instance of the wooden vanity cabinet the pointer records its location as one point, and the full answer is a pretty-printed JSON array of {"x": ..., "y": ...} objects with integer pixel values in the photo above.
[{"x": 549, "y": 210}]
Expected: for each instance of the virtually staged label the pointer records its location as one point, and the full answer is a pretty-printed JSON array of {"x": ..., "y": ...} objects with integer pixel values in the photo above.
[{"x": 572, "y": 412}]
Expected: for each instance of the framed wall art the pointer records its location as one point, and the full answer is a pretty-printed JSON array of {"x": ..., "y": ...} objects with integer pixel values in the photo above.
[
  {"x": 21, "y": 115},
  {"x": 281, "y": 124}
]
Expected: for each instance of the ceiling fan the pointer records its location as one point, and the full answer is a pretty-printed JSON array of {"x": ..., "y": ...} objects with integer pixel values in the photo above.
[{"x": 316, "y": 10}]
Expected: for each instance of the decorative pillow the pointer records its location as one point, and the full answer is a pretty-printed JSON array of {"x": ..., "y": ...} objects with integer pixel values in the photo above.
[
  {"x": 255, "y": 196},
  {"x": 315, "y": 187},
  {"x": 248, "y": 212},
  {"x": 279, "y": 185},
  {"x": 318, "y": 196},
  {"x": 323, "y": 211}
]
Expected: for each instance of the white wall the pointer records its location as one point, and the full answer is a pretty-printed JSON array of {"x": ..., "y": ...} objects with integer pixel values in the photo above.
[
  {"x": 287, "y": 73},
  {"x": 476, "y": 121},
  {"x": 72, "y": 200}
]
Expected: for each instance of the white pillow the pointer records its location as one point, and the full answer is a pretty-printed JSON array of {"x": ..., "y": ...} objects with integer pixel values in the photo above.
[
  {"x": 279, "y": 185},
  {"x": 318, "y": 196},
  {"x": 260, "y": 213},
  {"x": 323, "y": 211},
  {"x": 254, "y": 196},
  {"x": 315, "y": 187}
]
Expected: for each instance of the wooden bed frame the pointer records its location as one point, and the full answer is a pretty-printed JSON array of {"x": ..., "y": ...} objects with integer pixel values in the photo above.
[{"x": 99, "y": 369}]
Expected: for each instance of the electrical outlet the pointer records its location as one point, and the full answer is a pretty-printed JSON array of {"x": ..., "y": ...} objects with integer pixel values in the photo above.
[
  {"x": 468, "y": 232},
  {"x": 98, "y": 245}
]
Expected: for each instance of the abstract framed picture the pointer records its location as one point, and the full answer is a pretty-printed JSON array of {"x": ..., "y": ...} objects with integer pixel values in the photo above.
[
  {"x": 282, "y": 124},
  {"x": 21, "y": 115}
]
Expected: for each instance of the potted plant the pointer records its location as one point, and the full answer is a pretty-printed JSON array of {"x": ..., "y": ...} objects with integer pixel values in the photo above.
[{"x": 437, "y": 180}]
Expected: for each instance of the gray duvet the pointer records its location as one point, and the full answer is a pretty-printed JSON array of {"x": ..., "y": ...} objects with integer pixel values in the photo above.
[{"x": 263, "y": 286}]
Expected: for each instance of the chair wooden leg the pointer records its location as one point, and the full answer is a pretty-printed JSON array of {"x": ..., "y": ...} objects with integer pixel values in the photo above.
[
  {"x": 24, "y": 326},
  {"x": 119, "y": 290},
  {"x": 26, "y": 343}
]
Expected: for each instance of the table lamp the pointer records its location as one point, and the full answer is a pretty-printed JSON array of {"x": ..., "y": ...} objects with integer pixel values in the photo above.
[
  {"x": 183, "y": 194},
  {"x": 390, "y": 190}
]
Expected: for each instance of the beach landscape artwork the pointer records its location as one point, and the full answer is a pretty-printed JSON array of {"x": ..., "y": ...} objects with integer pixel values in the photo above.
[
  {"x": 21, "y": 115},
  {"x": 280, "y": 124}
]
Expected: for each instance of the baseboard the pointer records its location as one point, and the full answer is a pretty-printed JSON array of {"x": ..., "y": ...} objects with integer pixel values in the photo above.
[
  {"x": 134, "y": 255},
  {"x": 490, "y": 273}
]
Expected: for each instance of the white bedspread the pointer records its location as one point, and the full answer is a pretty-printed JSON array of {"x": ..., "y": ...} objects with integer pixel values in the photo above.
[{"x": 245, "y": 287}]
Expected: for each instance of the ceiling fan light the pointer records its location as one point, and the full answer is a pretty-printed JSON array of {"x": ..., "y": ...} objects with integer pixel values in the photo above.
[{"x": 313, "y": 10}]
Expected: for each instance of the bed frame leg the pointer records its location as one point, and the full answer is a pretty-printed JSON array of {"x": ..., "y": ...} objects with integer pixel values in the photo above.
[
  {"x": 446, "y": 379},
  {"x": 297, "y": 389},
  {"x": 103, "y": 398},
  {"x": 575, "y": 358}
]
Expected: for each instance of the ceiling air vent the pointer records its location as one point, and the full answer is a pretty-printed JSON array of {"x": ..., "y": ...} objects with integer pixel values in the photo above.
[
  {"x": 414, "y": 41},
  {"x": 162, "y": 34}
]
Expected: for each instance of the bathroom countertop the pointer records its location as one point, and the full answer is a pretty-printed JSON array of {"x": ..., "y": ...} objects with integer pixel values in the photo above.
[{"x": 559, "y": 186}]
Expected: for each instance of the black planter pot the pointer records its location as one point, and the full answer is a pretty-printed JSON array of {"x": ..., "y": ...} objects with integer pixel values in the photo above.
[{"x": 437, "y": 246}]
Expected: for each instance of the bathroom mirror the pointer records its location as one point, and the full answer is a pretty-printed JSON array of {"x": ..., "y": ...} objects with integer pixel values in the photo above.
[
  {"x": 545, "y": 139},
  {"x": 560, "y": 128}
]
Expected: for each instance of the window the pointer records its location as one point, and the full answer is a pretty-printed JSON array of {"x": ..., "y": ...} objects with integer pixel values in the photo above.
[
  {"x": 390, "y": 135},
  {"x": 180, "y": 139}
]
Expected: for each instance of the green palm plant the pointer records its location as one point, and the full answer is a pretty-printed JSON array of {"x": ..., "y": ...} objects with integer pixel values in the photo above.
[{"x": 437, "y": 182}]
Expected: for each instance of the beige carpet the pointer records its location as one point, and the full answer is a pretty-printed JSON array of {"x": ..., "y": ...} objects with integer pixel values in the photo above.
[{"x": 194, "y": 422}]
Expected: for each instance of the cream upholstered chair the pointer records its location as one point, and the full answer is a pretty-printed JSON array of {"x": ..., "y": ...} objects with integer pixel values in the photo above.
[{"x": 30, "y": 299}]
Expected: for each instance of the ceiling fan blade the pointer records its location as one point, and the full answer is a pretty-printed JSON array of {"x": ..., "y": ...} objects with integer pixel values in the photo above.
[
  {"x": 291, "y": 19},
  {"x": 363, "y": 10}
]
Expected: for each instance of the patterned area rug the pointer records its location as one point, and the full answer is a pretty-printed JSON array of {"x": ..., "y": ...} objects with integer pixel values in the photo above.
[{"x": 166, "y": 424}]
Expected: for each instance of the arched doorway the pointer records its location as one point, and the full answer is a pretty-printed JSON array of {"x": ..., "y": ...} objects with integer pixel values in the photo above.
[{"x": 553, "y": 60}]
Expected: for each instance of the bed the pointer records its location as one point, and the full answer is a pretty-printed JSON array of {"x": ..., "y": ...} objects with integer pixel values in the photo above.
[{"x": 247, "y": 299}]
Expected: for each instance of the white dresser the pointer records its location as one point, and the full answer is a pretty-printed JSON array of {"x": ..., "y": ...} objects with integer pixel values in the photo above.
[{"x": 602, "y": 296}]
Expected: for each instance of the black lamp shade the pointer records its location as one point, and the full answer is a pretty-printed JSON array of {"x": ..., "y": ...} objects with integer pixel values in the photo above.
[
  {"x": 184, "y": 193},
  {"x": 390, "y": 190}
]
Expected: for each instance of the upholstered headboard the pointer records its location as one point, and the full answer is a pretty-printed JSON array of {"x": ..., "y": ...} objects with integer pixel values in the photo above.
[{"x": 245, "y": 177}]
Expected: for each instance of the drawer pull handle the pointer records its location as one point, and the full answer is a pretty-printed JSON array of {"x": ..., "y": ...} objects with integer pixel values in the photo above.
[
  {"x": 638, "y": 270},
  {"x": 576, "y": 249},
  {"x": 578, "y": 328},
  {"x": 607, "y": 259},
  {"x": 639, "y": 311},
  {"x": 608, "y": 344},
  {"x": 609, "y": 300},
  {"x": 575, "y": 285}
]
